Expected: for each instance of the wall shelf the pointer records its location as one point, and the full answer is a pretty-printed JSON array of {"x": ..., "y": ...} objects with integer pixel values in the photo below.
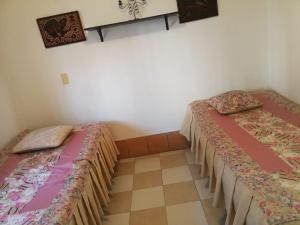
[{"x": 101, "y": 27}]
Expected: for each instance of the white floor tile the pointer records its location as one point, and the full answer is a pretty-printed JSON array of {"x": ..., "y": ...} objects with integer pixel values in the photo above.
[
  {"x": 172, "y": 152},
  {"x": 127, "y": 160},
  {"x": 188, "y": 213},
  {"x": 122, "y": 183},
  {"x": 147, "y": 156},
  {"x": 117, "y": 219},
  {"x": 148, "y": 164},
  {"x": 203, "y": 189},
  {"x": 147, "y": 198},
  {"x": 176, "y": 175}
]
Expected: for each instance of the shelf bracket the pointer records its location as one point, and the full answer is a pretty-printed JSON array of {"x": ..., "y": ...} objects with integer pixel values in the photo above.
[
  {"x": 99, "y": 30},
  {"x": 167, "y": 22},
  {"x": 104, "y": 26}
]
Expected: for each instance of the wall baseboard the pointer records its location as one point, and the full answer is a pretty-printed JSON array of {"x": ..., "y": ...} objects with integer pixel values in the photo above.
[{"x": 147, "y": 145}]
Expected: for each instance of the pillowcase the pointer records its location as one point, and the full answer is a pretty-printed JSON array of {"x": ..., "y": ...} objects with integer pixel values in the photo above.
[
  {"x": 234, "y": 102},
  {"x": 49, "y": 137}
]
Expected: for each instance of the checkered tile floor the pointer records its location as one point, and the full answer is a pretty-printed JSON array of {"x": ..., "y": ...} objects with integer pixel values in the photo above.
[{"x": 161, "y": 189}]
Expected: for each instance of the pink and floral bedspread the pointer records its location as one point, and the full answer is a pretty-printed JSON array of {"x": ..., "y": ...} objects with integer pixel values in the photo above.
[
  {"x": 22, "y": 184},
  {"x": 31, "y": 174},
  {"x": 277, "y": 192}
]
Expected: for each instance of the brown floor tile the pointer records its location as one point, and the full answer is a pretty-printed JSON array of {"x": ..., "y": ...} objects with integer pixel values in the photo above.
[
  {"x": 213, "y": 215},
  {"x": 158, "y": 143},
  {"x": 195, "y": 171},
  {"x": 138, "y": 146},
  {"x": 177, "y": 141},
  {"x": 154, "y": 216},
  {"x": 120, "y": 203},
  {"x": 123, "y": 149},
  {"x": 180, "y": 193},
  {"x": 147, "y": 179},
  {"x": 125, "y": 169},
  {"x": 174, "y": 160}
]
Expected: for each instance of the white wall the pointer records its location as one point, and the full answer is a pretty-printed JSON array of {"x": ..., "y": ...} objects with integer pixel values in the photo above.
[
  {"x": 9, "y": 126},
  {"x": 284, "y": 50},
  {"x": 142, "y": 77},
  {"x": 8, "y": 120}
]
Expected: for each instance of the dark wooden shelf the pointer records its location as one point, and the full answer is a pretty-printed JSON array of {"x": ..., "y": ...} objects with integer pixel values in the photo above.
[{"x": 100, "y": 27}]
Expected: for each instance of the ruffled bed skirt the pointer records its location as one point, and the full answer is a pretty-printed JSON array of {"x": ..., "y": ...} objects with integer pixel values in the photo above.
[
  {"x": 240, "y": 206},
  {"x": 95, "y": 196}
]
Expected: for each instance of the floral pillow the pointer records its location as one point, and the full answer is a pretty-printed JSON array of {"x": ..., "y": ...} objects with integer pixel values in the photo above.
[
  {"x": 234, "y": 102},
  {"x": 49, "y": 137}
]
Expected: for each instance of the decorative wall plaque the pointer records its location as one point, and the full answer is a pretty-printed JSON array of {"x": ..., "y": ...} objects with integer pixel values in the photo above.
[
  {"x": 190, "y": 10},
  {"x": 61, "y": 29}
]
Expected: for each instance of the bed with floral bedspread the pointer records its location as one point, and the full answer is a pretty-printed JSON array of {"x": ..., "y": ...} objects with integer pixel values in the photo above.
[
  {"x": 65, "y": 185},
  {"x": 251, "y": 157}
]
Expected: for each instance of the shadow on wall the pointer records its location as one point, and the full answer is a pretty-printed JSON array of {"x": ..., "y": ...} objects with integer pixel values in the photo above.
[
  {"x": 135, "y": 29},
  {"x": 124, "y": 130}
]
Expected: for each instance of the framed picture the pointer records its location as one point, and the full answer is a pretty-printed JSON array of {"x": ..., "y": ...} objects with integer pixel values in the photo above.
[
  {"x": 190, "y": 10},
  {"x": 61, "y": 29}
]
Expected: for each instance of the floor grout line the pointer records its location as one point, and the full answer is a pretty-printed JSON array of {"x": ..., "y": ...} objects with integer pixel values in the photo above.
[{"x": 163, "y": 188}]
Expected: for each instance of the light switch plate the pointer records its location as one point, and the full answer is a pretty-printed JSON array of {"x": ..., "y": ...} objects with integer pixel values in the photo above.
[{"x": 65, "y": 78}]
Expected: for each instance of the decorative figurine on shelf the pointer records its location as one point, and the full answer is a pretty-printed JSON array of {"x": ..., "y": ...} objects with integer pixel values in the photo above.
[{"x": 133, "y": 6}]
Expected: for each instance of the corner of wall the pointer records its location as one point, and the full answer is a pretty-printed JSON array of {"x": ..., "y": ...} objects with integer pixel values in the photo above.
[{"x": 8, "y": 119}]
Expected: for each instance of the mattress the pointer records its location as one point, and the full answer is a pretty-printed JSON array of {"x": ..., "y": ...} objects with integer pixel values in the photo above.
[
  {"x": 252, "y": 158},
  {"x": 65, "y": 185}
]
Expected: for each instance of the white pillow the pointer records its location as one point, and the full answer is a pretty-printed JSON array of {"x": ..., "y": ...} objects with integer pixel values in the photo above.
[{"x": 48, "y": 137}]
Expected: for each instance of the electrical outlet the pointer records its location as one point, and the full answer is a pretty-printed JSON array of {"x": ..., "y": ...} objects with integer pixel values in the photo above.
[{"x": 65, "y": 78}]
